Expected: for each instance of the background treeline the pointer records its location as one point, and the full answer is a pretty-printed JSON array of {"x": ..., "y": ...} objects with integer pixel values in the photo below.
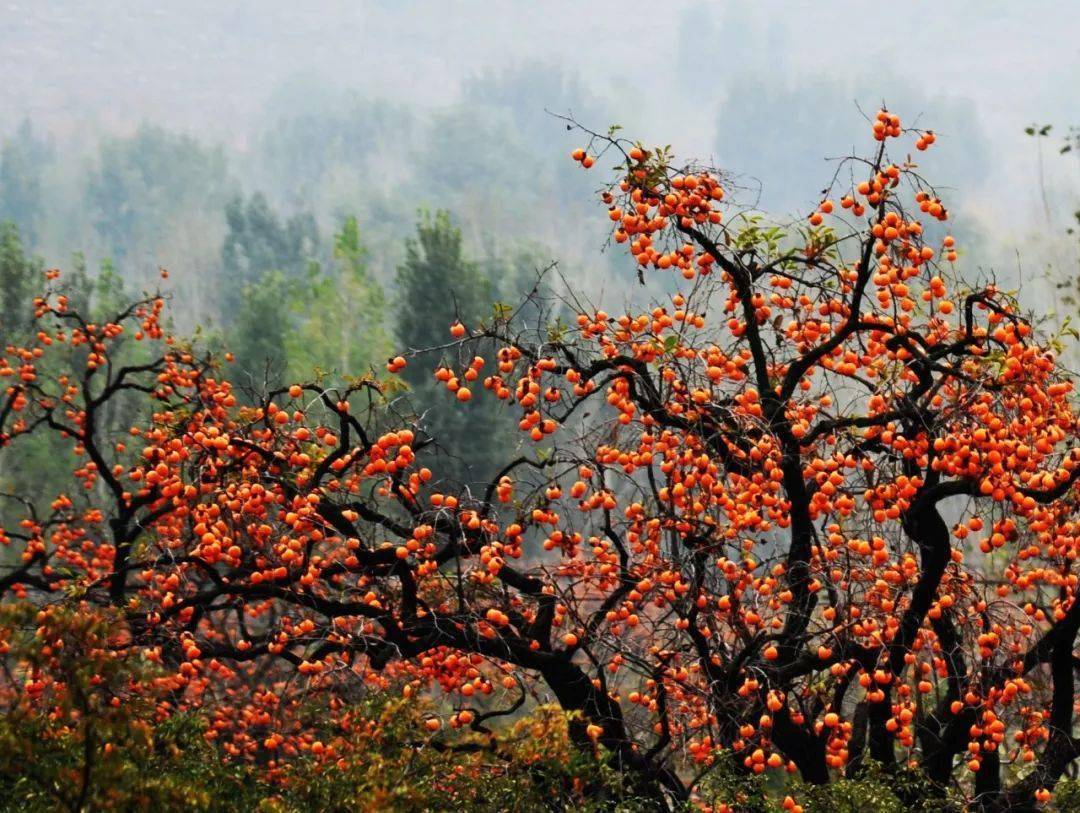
[
  {"x": 348, "y": 229},
  {"x": 345, "y": 227}
]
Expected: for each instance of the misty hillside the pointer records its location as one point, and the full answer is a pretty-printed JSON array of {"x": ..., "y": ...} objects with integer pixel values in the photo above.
[{"x": 412, "y": 405}]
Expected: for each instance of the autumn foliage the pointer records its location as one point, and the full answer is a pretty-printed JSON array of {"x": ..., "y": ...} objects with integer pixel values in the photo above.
[{"x": 810, "y": 518}]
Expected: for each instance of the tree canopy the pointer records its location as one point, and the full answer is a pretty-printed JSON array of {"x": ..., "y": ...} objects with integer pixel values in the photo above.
[{"x": 807, "y": 521}]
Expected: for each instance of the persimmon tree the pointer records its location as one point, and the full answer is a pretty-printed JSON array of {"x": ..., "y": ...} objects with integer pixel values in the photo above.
[{"x": 812, "y": 514}]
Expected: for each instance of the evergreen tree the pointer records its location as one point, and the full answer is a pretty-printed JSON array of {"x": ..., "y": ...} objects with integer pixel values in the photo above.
[
  {"x": 258, "y": 241},
  {"x": 438, "y": 285},
  {"x": 342, "y": 313},
  {"x": 22, "y": 161},
  {"x": 266, "y": 262},
  {"x": 19, "y": 274},
  {"x": 143, "y": 185},
  {"x": 260, "y": 331}
]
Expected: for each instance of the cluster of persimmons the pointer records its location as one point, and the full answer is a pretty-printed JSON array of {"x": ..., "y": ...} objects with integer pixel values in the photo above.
[{"x": 820, "y": 511}]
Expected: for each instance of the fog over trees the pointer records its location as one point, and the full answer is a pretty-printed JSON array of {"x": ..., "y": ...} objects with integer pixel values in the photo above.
[{"x": 315, "y": 256}]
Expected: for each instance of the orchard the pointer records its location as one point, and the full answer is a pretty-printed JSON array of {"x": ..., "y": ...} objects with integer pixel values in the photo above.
[{"x": 799, "y": 534}]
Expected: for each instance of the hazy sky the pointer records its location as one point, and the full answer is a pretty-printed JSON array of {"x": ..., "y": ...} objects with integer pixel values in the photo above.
[
  {"x": 213, "y": 62},
  {"x": 210, "y": 65}
]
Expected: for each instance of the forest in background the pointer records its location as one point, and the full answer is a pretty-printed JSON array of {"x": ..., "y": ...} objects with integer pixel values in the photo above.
[
  {"x": 345, "y": 225},
  {"x": 334, "y": 222},
  {"x": 309, "y": 219},
  {"x": 351, "y": 227}
]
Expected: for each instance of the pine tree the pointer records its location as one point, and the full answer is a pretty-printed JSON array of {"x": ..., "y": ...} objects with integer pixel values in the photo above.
[
  {"x": 438, "y": 285},
  {"x": 19, "y": 274},
  {"x": 22, "y": 161},
  {"x": 259, "y": 241},
  {"x": 259, "y": 333}
]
